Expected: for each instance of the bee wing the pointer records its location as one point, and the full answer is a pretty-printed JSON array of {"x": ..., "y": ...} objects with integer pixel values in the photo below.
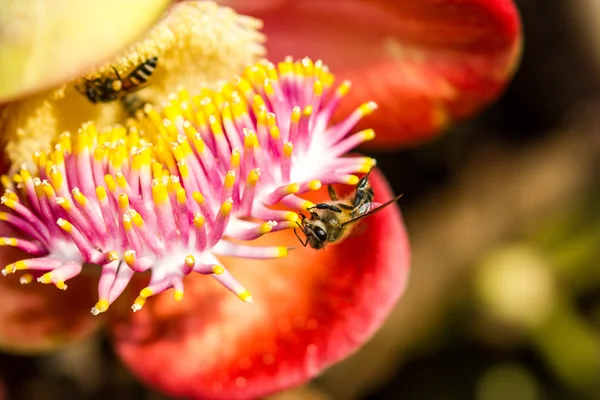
[{"x": 381, "y": 207}]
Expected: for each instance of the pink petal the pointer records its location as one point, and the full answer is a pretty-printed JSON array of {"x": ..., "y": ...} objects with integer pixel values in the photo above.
[
  {"x": 35, "y": 317},
  {"x": 310, "y": 310},
  {"x": 426, "y": 63}
]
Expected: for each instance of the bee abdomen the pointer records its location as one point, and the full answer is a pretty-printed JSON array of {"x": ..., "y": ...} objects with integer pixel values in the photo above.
[{"x": 143, "y": 72}]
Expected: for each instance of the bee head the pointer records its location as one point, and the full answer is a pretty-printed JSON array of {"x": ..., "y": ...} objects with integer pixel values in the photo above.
[{"x": 316, "y": 234}]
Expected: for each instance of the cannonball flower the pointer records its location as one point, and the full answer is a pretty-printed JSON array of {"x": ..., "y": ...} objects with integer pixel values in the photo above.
[
  {"x": 161, "y": 194},
  {"x": 208, "y": 180},
  {"x": 181, "y": 191},
  {"x": 427, "y": 63}
]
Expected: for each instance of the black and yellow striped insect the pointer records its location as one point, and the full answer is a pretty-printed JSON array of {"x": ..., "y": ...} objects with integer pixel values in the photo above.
[{"x": 110, "y": 88}]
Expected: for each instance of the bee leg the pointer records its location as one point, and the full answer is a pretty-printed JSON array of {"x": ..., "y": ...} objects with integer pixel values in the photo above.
[
  {"x": 325, "y": 206},
  {"x": 298, "y": 236},
  {"x": 332, "y": 194},
  {"x": 117, "y": 73},
  {"x": 344, "y": 206}
]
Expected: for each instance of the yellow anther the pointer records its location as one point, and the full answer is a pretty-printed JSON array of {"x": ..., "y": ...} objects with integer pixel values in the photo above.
[
  {"x": 65, "y": 225},
  {"x": 253, "y": 177},
  {"x": 235, "y": 159},
  {"x": 183, "y": 168},
  {"x": 266, "y": 228},
  {"x": 5, "y": 180},
  {"x": 226, "y": 207},
  {"x": 9, "y": 269},
  {"x": 190, "y": 260},
  {"x": 129, "y": 257},
  {"x": 288, "y": 149},
  {"x": 261, "y": 118},
  {"x": 198, "y": 198},
  {"x": 123, "y": 201},
  {"x": 198, "y": 221},
  {"x": 296, "y": 115},
  {"x": 275, "y": 132},
  {"x": 244, "y": 86},
  {"x": 64, "y": 203},
  {"x": 26, "y": 279},
  {"x": 25, "y": 174},
  {"x": 215, "y": 125},
  {"x": 367, "y": 108},
  {"x": 292, "y": 188},
  {"x": 307, "y": 204},
  {"x": 101, "y": 193},
  {"x": 110, "y": 182},
  {"x": 178, "y": 153},
  {"x": 199, "y": 144},
  {"x": 268, "y": 87},
  {"x": 157, "y": 170},
  {"x": 307, "y": 111},
  {"x": 291, "y": 216},
  {"x": 11, "y": 195},
  {"x": 127, "y": 222},
  {"x": 17, "y": 179},
  {"x": 40, "y": 158},
  {"x": 47, "y": 189},
  {"x": 46, "y": 278},
  {"x": 249, "y": 139},
  {"x": 61, "y": 285},
  {"x": 226, "y": 111},
  {"x": 112, "y": 256},
  {"x": 8, "y": 241},
  {"x": 229, "y": 179},
  {"x": 79, "y": 197},
  {"x": 282, "y": 251},
  {"x": 58, "y": 156},
  {"x": 318, "y": 88},
  {"x": 146, "y": 292},
  {"x": 368, "y": 134},
  {"x": 159, "y": 194},
  {"x": 138, "y": 303},
  {"x": 102, "y": 305},
  {"x": 314, "y": 185},
  {"x": 308, "y": 66},
  {"x": 344, "y": 88},
  {"x": 352, "y": 180},
  {"x": 121, "y": 181},
  {"x": 56, "y": 177},
  {"x": 245, "y": 296},
  {"x": 20, "y": 265},
  {"x": 218, "y": 270},
  {"x": 178, "y": 295},
  {"x": 181, "y": 196}
]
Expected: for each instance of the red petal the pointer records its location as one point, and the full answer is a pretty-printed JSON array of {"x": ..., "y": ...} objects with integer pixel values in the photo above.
[
  {"x": 310, "y": 310},
  {"x": 36, "y": 317},
  {"x": 425, "y": 62}
]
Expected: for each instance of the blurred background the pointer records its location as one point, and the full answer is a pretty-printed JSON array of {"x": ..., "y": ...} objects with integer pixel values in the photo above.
[{"x": 504, "y": 217}]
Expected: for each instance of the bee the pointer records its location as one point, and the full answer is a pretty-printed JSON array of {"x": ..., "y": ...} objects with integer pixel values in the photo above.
[
  {"x": 106, "y": 89},
  {"x": 332, "y": 221}
]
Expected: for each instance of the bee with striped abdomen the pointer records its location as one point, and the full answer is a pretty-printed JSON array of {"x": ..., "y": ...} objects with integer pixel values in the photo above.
[{"x": 106, "y": 89}]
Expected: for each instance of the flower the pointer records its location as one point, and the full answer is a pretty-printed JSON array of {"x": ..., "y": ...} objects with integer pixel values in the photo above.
[
  {"x": 181, "y": 189},
  {"x": 427, "y": 63},
  {"x": 162, "y": 194},
  {"x": 310, "y": 308}
]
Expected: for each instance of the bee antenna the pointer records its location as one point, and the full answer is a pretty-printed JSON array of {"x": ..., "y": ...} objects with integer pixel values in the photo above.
[{"x": 381, "y": 207}]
